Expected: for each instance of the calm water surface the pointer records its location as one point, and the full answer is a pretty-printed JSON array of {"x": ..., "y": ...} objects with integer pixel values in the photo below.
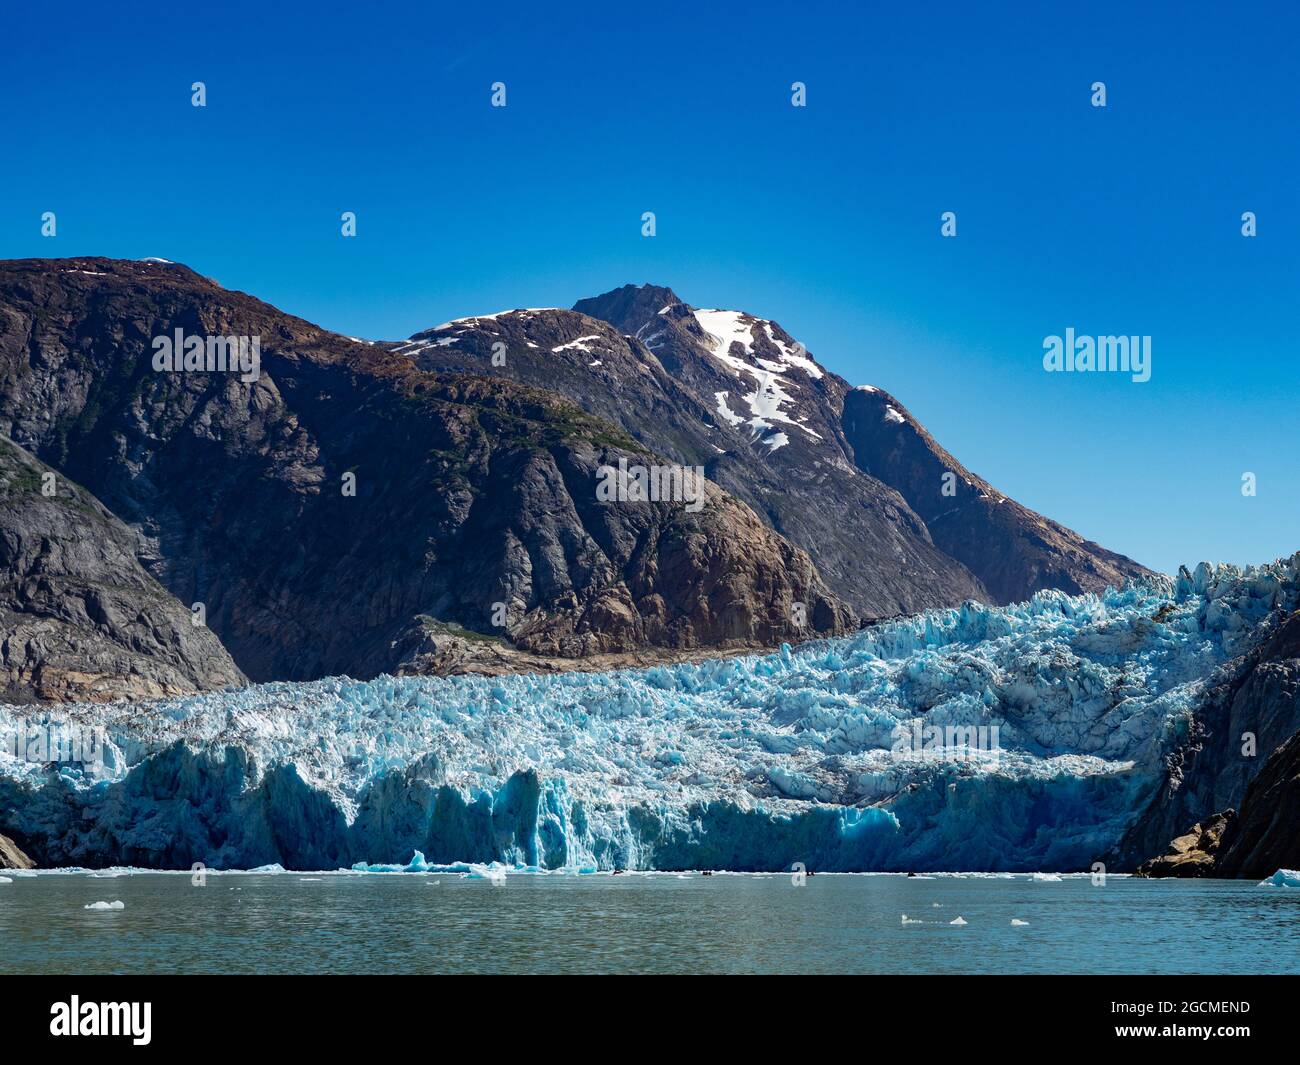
[{"x": 441, "y": 922}]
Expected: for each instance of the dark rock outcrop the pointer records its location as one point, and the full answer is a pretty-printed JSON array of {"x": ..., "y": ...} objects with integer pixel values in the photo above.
[
  {"x": 1256, "y": 843},
  {"x": 80, "y": 619},
  {"x": 1266, "y": 834},
  {"x": 322, "y": 508},
  {"x": 13, "y": 858},
  {"x": 1192, "y": 854},
  {"x": 1250, "y": 708}
]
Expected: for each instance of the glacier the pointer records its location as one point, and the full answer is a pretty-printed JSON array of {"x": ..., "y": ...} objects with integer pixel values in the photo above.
[{"x": 750, "y": 763}]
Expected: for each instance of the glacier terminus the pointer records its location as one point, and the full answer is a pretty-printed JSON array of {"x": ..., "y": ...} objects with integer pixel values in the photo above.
[{"x": 746, "y": 763}]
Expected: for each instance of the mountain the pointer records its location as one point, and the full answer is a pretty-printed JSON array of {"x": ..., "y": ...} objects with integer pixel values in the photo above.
[
  {"x": 341, "y": 504},
  {"x": 80, "y": 619},
  {"x": 866, "y": 541},
  {"x": 847, "y": 474}
]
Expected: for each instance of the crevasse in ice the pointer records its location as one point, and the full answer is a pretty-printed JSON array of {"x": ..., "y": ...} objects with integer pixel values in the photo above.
[{"x": 742, "y": 763}]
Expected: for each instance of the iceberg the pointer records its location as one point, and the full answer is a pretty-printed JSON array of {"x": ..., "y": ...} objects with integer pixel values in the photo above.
[
  {"x": 990, "y": 739},
  {"x": 1283, "y": 878}
]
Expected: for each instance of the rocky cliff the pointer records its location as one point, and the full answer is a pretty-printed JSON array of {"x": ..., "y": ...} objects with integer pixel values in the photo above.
[
  {"x": 80, "y": 619},
  {"x": 1250, "y": 708}
]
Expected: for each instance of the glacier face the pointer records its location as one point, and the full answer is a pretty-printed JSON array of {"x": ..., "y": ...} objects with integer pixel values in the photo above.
[{"x": 802, "y": 755}]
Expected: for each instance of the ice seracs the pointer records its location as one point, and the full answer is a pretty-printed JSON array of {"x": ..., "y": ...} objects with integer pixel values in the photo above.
[{"x": 754, "y": 762}]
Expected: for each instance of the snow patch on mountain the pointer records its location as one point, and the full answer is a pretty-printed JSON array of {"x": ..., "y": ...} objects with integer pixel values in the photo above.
[
  {"x": 578, "y": 345},
  {"x": 473, "y": 318},
  {"x": 726, "y": 413},
  {"x": 766, "y": 402}
]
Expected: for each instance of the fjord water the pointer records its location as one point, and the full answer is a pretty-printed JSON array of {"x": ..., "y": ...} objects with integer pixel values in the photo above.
[{"x": 658, "y": 923}]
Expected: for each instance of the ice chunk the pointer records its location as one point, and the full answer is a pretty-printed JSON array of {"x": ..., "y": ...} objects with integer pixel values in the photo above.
[
  {"x": 1283, "y": 878},
  {"x": 958, "y": 921},
  {"x": 1016, "y": 922},
  {"x": 117, "y": 904}
]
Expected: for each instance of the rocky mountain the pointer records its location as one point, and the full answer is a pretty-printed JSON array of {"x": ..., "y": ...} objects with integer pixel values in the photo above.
[
  {"x": 80, "y": 619},
  {"x": 1250, "y": 708},
  {"x": 1256, "y": 843},
  {"x": 847, "y": 474},
  {"x": 326, "y": 505},
  {"x": 1265, "y": 835},
  {"x": 1237, "y": 774}
]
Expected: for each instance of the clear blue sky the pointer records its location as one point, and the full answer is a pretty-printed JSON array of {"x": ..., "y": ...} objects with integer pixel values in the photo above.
[{"x": 826, "y": 218}]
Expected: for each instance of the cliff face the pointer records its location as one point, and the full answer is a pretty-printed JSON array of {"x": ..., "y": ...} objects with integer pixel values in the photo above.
[
  {"x": 1265, "y": 836},
  {"x": 1250, "y": 709},
  {"x": 322, "y": 509},
  {"x": 80, "y": 619}
]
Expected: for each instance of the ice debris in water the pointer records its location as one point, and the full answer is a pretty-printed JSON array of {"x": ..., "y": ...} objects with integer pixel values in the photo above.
[
  {"x": 1283, "y": 878},
  {"x": 959, "y": 921},
  {"x": 1016, "y": 922},
  {"x": 117, "y": 904},
  {"x": 803, "y": 755},
  {"x": 1046, "y": 877},
  {"x": 6, "y": 880},
  {"x": 911, "y": 920}
]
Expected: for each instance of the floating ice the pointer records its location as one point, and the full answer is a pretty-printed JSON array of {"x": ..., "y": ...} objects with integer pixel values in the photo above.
[
  {"x": 959, "y": 921},
  {"x": 6, "y": 880},
  {"x": 1046, "y": 877},
  {"x": 116, "y": 905},
  {"x": 1283, "y": 878},
  {"x": 911, "y": 920},
  {"x": 1016, "y": 922}
]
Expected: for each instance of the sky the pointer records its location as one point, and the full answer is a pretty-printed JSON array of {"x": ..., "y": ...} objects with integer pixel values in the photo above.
[{"x": 1123, "y": 219}]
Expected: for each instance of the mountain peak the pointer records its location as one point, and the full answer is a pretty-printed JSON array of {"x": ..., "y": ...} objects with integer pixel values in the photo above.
[{"x": 629, "y": 308}]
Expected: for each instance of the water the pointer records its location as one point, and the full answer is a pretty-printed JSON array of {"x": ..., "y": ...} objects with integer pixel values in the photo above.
[{"x": 425, "y": 923}]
